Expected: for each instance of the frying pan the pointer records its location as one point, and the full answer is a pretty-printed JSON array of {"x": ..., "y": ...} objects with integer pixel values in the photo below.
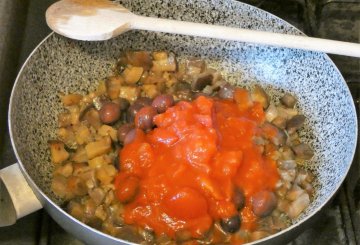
[{"x": 62, "y": 65}]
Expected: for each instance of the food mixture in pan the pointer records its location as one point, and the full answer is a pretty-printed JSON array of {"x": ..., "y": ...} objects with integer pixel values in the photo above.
[{"x": 168, "y": 152}]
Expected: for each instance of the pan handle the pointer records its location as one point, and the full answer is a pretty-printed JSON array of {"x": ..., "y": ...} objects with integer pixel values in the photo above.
[{"x": 16, "y": 197}]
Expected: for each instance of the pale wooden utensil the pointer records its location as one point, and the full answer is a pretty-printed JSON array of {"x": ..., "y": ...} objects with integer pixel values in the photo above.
[{"x": 94, "y": 20}]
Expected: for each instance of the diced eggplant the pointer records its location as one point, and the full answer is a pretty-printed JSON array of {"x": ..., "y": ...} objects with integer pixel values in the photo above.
[
  {"x": 97, "y": 148},
  {"x": 279, "y": 122},
  {"x": 58, "y": 152},
  {"x": 295, "y": 123},
  {"x": 131, "y": 93},
  {"x": 258, "y": 94},
  {"x": 106, "y": 130},
  {"x": 132, "y": 74},
  {"x": 164, "y": 62},
  {"x": 71, "y": 99},
  {"x": 297, "y": 206},
  {"x": 303, "y": 151},
  {"x": 139, "y": 58},
  {"x": 288, "y": 100},
  {"x": 113, "y": 86}
]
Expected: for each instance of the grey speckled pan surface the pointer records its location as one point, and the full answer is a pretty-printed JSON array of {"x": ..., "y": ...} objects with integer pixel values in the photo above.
[{"x": 63, "y": 65}]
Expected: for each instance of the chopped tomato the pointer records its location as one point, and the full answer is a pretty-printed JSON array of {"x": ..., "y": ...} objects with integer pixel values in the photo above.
[{"x": 185, "y": 171}]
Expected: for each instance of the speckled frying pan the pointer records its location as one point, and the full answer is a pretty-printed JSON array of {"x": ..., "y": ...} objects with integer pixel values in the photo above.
[{"x": 62, "y": 65}]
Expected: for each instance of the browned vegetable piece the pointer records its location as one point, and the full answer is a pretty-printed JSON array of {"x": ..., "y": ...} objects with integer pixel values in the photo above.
[
  {"x": 139, "y": 58},
  {"x": 144, "y": 118},
  {"x": 74, "y": 114},
  {"x": 76, "y": 186},
  {"x": 99, "y": 161},
  {"x": 303, "y": 151},
  {"x": 131, "y": 93},
  {"x": 101, "y": 213},
  {"x": 98, "y": 195},
  {"x": 58, "y": 152},
  {"x": 162, "y": 102},
  {"x": 294, "y": 193},
  {"x": 163, "y": 62},
  {"x": 153, "y": 78},
  {"x": 274, "y": 134},
  {"x": 80, "y": 155},
  {"x": 263, "y": 203},
  {"x": 71, "y": 99},
  {"x": 201, "y": 81},
  {"x": 150, "y": 90},
  {"x": 66, "y": 170},
  {"x": 97, "y": 148},
  {"x": 92, "y": 117},
  {"x": 288, "y": 100},
  {"x": 226, "y": 91},
  {"x": 297, "y": 206},
  {"x": 59, "y": 186},
  {"x": 295, "y": 123},
  {"x": 76, "y": 210},
  {"x": 123, "y": 131},
  {"x": 106, "y": 130},
  {"x": 195, "y": 66},
  {"x": 105, "y": 174},
  {"x": 110, "y": 113},
  {"x": 113, "y": 86},
  {"x": 64, "y": 119},
  {"x": 132, "y": 74},
  {"x": 67, "y": 136},
  {"x": 160, "y": 55},
  {"x": 279, "y": 122},
  {"x": 258, "y": 94}
]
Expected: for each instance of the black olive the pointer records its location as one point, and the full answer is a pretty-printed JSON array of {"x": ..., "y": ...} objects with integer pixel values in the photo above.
[
  {"x": 109, "y": 113},
  {"x": 123, "y": 130},
  {"x": 231, "y": 224},
  {"x": 130, "y": 136},
  {"x": 132, "y": 111},
  {"x": 238, "y": 199},
  {"x": 263, "y": 203},
  {"x": 144, "y": 118},
  {"x": 124, "y": 104},
  {"x": 163, "y": 102}
]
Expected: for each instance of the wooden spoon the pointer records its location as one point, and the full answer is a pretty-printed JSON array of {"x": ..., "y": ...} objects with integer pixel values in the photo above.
[{"x": 95, "y": 20}]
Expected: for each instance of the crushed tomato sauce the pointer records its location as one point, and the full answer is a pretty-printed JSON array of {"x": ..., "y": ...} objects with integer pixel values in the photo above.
[{"x": 184, "y": 171}]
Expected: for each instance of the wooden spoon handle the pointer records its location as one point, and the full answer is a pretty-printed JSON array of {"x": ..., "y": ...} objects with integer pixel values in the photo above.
[{"x": 243, "y": 35}]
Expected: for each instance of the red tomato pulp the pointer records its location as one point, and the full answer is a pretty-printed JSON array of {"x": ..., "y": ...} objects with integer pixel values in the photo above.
[{"x": 182, "y": 174}]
